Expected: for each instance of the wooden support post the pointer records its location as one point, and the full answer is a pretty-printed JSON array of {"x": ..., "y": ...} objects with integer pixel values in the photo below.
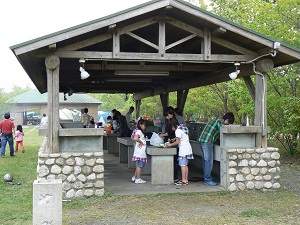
[
  {"x": 164, "y": 98},
  {"x": 181, "y": 99},
  {"x": 207, "y": 44},
  {"x": 250, "y": 87},
  {"x": 260, "y": 110},
  {"x": 116, "y": 44},
  {"x": 137, "y": 108},
  {"x": 162, "y": 37},
  {"x": 52, "y": 63}
]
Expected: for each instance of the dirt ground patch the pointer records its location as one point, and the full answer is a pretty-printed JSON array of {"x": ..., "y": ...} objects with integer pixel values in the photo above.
[
  {"x": 248, "y": 207},
  {"x": 290, "y": 173}
]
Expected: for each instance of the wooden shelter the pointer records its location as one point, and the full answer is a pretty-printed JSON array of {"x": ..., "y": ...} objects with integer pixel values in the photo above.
[{"x": 152, "y": 49}]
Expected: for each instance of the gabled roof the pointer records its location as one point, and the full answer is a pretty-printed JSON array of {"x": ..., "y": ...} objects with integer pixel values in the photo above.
[
  {"x": 91, "y": 23},
  {"x": 35, "y": 97},
  {"x": 192, "y": 46}
]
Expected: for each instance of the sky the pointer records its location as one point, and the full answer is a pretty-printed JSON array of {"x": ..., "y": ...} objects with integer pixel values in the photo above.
[{"x": 25, "y": 20}]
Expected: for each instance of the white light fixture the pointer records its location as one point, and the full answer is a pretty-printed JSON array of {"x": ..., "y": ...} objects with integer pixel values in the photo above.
[
  {"x": 129, "y": 80},
  {"x": 83, "y": 74},
  {"x": 141, "y": 73},
  {"x": 234, "y": 75},
  {"x": 276, "y": 45}
]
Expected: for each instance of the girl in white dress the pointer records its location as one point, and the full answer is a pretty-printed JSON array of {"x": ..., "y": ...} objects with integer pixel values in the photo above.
[{"x": 139, "y": 155}]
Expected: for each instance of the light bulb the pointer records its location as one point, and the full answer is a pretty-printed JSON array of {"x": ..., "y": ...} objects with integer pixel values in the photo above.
[
  {"x": 83, "y": 74},
  {"x": 234, "y": 75}
]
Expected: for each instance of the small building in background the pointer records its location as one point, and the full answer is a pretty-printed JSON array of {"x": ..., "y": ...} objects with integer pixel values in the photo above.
[{"x": 28, "y": 108}]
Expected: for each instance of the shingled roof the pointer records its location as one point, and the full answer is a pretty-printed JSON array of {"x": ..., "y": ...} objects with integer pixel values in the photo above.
[{"x": 34, "y": 96}]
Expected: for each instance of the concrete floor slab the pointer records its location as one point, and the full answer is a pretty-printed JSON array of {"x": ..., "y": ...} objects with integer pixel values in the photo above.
[{"x": 117, "y": 180}]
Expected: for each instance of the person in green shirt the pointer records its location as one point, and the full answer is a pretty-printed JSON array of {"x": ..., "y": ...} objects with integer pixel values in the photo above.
[{"x": 209, "y": 136}]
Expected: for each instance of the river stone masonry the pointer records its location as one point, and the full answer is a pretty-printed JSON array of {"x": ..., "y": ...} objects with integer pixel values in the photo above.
[
  {"x": 253, "y": 168},
  {"x": 82, "y": 174}
]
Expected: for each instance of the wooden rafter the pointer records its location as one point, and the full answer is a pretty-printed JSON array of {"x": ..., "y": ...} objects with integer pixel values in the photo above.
[
  {"x": 214, "y": 39},
  {"x": 107, "y": 36},
  {"x": 180, "y": 41},
  {"x": 143, "y": 40}
]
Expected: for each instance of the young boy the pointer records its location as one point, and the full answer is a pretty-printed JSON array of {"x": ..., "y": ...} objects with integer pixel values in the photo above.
[{"x": 185, "y": 149}]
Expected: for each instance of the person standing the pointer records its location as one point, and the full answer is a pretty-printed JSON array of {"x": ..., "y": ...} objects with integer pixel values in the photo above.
[
  {"x": 114, "y": 119},
  {"x": 168, "y": 113},
  {"x": 169, "y": 135},
  {"x": 85, "y": 118},
  {"x": 209, "y": 136},
  {"x": 7, "y": 128},
  {"x": 44, "y": 119},
  {"x": 139, "y": 155},
  {"x": 123, "y": 127},
  {"x": 129, "y": 116},
  {"x": 185, "y": 152},
  {"x": 19, "y": 138},
  {"x": 179, "y": 116}
]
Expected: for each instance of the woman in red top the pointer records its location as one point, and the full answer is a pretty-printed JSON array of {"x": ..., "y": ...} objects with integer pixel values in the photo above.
[{"x": 7, "y": 128}]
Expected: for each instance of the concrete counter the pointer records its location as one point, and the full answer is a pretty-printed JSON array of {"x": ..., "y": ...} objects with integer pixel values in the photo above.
[
  {"x": 238, "y": 129},
  {"x": 80, "y": 132},
  {"x": 237, "y": 136},
  {"x": 125, "y": 140},
  {"x": 162, "y": 165},
  {"x": 126, "y": 150},
  {"x": 110, "y": 143},
  {"x": 153, "y": 150},
  {"x": 81, "y": 139}
]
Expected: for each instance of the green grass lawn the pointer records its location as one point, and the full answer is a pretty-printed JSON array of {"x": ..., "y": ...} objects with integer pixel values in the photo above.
[
  {"x": 16, "y": 200},
  {"x": 248, "y": 207}
]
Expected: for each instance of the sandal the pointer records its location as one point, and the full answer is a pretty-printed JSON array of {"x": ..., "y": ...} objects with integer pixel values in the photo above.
[
  {"x": 181, "y": 183},
  {"x": 178, "y": 182}
]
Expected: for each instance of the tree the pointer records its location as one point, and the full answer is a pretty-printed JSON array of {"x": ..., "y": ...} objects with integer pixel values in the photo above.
[{"x": 280, "y": 20}]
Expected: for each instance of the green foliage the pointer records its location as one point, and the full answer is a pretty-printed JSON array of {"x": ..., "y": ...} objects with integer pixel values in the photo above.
[
  {"x": 121, "y": 102},
  {"x": 279, "y": 20}
]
